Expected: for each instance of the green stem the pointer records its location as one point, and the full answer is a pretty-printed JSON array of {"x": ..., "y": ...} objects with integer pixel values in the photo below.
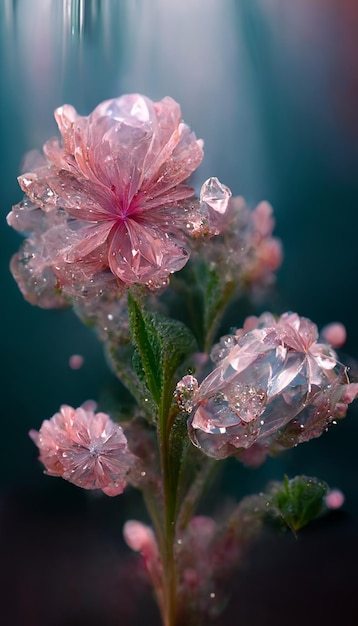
[
  {"x": 196, "y": 491},
  {"x": 212, "y": 319},
  {"x": 169, "y": 565}
]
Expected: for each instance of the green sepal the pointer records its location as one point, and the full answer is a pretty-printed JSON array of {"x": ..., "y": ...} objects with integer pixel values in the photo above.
[{"x": 296, "y": 502}]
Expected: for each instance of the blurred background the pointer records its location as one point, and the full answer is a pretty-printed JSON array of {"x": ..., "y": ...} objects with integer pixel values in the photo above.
[{"x": 272, "y": 88}]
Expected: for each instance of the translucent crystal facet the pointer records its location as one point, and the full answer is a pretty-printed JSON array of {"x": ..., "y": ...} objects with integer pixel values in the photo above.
[{"x": 273, "y": 385}]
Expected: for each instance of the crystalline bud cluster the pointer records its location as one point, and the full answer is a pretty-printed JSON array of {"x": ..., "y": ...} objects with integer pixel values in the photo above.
[
  {"x": 88, "y": 449},
  {"x": 108, "y": 206},
  {"x": 274, "y": 385},
  {"x": 245, "y": 252}
]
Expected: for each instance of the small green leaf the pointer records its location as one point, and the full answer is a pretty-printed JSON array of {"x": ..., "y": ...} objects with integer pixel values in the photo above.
[
  {"x": 148, "y": 347},
  {"x": 296, "y": 502}
]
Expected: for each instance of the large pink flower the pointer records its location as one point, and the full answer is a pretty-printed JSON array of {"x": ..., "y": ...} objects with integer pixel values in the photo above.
[
  {"x": 109, "y": 202},
  {"x": 85, "y": 448},
  {"x": 274, "y": 385}
]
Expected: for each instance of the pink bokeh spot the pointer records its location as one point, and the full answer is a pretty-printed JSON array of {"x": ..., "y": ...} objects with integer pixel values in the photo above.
[
  {"x": 335, "y": 499},
  {"x": 76, "y": 361},
  {"x": 88, "y": 449},
  {"x": 335, "y": 334}
]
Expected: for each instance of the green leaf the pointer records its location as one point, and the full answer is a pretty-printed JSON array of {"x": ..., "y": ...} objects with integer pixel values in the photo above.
[
  {"x": 296, "y": 502},
  {"x": 161, "y": 345}
]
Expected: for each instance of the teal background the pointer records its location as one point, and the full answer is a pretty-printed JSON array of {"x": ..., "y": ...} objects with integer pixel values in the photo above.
[{"x": 271, "y": 86}]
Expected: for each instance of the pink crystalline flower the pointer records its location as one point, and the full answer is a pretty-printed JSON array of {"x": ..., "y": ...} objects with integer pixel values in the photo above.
[
  {"x": 274, "y": 385},
  {"x": 108, "y": 205},
  {"x": 85, "y": 448}
]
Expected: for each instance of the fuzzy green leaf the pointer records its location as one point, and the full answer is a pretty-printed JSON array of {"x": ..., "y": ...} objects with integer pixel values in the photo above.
[
  {"x": 161, "y": 345},
  {"x": 296, "y": 502}
]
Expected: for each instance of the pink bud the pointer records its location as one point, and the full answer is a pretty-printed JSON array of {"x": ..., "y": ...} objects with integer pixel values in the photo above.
[{"x": 141, "y": 539}]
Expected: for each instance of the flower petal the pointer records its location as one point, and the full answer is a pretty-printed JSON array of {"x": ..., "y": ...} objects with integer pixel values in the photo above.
[{"x": 142, "y": 254}]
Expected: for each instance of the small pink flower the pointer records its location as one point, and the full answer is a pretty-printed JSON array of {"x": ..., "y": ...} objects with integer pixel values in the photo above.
[
  {"x": 274, "y": 385},
  {"x": 85, "y": 448},
  {"x": 108, "y": 205}
]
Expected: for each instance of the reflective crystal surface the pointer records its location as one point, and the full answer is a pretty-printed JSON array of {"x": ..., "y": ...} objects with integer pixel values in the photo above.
[{"x": 273, "y": 385}]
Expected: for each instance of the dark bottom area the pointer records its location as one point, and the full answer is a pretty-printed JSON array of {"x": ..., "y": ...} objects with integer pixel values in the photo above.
[{"x": 64, "y": 563}]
